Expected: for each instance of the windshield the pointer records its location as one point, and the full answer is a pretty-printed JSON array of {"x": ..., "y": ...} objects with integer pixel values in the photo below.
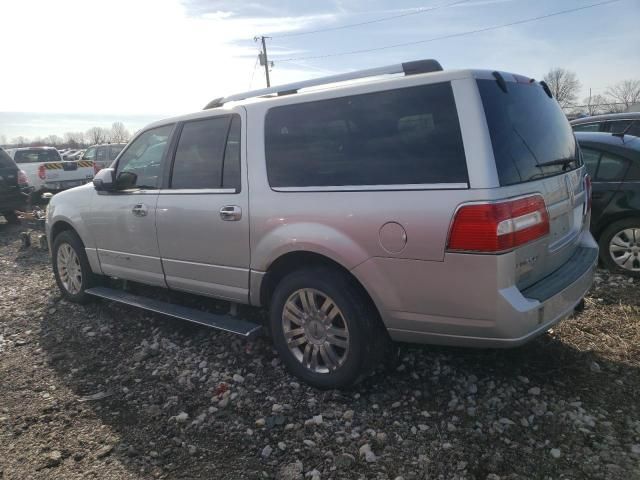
[
  {"x": 530, "y": 134},
  {"x": 37, "y": 156}
]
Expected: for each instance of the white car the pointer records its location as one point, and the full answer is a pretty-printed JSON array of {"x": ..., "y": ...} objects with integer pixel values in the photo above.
[{"x": 46, "y": 171}]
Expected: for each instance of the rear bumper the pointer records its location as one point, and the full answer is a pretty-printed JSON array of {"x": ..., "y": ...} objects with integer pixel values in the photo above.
[{"x": 463, "y": 304}]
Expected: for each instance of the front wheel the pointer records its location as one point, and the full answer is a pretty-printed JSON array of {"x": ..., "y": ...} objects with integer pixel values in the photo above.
[
  {"x": 325, "y": 330},
  {"x": 620, "y": 247},
  {"x": 71, "y": 267}
]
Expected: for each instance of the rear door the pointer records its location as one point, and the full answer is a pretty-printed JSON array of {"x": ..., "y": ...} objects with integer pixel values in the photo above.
[
  {"x": 536, "y": 153},
  {"x": 203, "y": 216},
  {"x": 608, "y": 172},
  {"x": 123, "y": 223}
]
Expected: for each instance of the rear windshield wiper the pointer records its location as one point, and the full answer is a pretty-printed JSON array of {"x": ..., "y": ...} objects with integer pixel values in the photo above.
[{"x": 560, "y": 161}]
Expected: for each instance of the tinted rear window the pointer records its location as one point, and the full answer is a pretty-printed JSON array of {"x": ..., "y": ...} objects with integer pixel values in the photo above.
[
  {"x": 395, "y": 137},
  {"x": 36, "y": 156},
  {"x": 5, "y": 160},
  {"x": 527, "y": 129}
]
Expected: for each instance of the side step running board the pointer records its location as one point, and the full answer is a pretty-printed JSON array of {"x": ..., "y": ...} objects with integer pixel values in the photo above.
[{"x": 221, "y": 322}]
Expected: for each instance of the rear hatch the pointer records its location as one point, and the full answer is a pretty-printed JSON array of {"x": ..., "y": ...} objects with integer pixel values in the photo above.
[
  {"x": 536, "y": 153},
  {"x": 8, "y": 176}
]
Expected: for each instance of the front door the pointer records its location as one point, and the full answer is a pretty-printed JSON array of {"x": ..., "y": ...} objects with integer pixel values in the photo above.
[
  {"x": 202, "y": 217},
  {"x": 124, "y": 222}
]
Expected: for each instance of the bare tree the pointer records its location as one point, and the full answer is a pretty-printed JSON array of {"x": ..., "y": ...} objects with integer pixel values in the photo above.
[
  {"x": 119, "y": 134},
  {"x": 97, "y": 135},
  {"x": 20, "y": 141},
  {"x": 74, "y": 139},
  {"x": 54, "y": 140},
  {"x": 564, "y": 86},
  {"x": 595, "y": 104},
  {"x": 626, "y": 92}
]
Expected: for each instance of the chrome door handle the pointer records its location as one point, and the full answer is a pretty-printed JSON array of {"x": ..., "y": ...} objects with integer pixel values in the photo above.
[
  {"x": 139, "y": 210},
  {"x": 231, "y": 213}
]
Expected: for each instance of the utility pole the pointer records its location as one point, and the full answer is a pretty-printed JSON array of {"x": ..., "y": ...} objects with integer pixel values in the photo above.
[{"x": 264, "y": 60}]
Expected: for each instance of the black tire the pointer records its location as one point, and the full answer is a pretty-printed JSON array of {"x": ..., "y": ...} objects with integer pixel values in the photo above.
[
  {"x": 12, "y": 218},
  {"x": 88, "y": 278},
  {"x": 367, "y": 338},
  {"x": 605, "y": 240}
]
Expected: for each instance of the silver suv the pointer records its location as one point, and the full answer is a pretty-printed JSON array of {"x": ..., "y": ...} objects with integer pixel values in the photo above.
[{"x": 420, "y": 205}]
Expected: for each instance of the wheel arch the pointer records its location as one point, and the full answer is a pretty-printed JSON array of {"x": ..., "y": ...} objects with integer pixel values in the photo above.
[
  {"x": 297, "y": 260},
  {"x": 63, "y": 225},
  {"x": 614, "y": 218}
]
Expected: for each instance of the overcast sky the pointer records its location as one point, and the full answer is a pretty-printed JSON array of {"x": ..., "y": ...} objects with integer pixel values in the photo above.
[{"x": 173, "y": 56}]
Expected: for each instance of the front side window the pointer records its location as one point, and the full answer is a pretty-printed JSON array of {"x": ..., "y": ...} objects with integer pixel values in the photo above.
[
  {"x": 409, "y": 136},
  {"x": 140, "y": 166}
]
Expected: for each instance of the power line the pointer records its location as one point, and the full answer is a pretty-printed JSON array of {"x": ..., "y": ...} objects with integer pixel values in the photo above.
[
  {"x": 453, "y": 35},
  {"x": 255, "y": 64},
  {"x": 369, "y": 22}
]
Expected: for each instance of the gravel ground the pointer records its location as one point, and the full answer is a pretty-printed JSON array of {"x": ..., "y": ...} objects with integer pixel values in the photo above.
[{"x": 110, "y": 392}]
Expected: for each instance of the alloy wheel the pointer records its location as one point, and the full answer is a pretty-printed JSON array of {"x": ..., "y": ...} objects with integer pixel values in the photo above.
[
  {"x": 69, "y": 269},
  {"x": 315, "y": 330}
]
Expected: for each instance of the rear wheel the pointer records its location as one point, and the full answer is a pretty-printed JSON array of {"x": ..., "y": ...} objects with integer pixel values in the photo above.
[
  {"x": 324, "y": 328},
  {"x": 11, "y": 217},
  {"x": 71, "y": 267},
  {"x": 620, "y": 247}
]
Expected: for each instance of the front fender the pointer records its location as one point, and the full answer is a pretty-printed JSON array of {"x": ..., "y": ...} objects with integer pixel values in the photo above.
[{"x": 72, "y": 207}]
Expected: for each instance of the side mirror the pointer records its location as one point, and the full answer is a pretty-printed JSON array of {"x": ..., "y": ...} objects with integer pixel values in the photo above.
[{"x": 104, "y": 180}]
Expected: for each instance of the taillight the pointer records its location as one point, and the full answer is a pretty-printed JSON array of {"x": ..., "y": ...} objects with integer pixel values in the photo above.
[
  {"x": 42, "y": 174},
  {"x": 22, "y": 178},
  {"x": 96, "y": 168},
  {"x": 498, "y": 227},
  {"x": 588, "y": 190}
]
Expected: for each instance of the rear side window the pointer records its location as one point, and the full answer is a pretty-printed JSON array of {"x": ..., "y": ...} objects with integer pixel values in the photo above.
[
  {"x": 114, "y": 150},
  {"x": 618, "y": 126},
  {"x": 37, "y": 156},
  {"x": 612, "y": 168},
  {"x": 395, "y": 137},
  {"x": 101, "y": 155},
  {"x": 605, "y": 166},
  {"x": 200, "y": 154},
  {"x": 590, "y": 158},
  {"x": 90, "y": 154},
  {"x": 587, "y": 127},
  {"x": 5, "y": 160},
  {"x": 529, "y": 132}
]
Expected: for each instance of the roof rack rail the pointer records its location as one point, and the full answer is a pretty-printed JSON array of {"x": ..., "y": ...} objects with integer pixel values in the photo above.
[{"x": 408, "y": 68}]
